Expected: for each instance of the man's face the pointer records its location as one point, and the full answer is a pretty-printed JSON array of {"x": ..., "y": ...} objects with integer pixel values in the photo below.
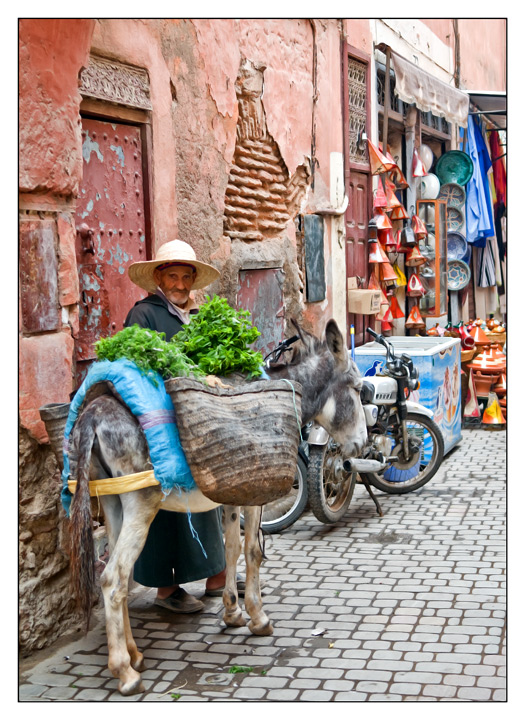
[{"x": 175, "y": 282}]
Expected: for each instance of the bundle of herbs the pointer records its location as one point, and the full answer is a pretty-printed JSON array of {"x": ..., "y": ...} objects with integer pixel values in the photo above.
[
  {"x": 149, "y": 351},
  {"x": 215, "y": 342}
]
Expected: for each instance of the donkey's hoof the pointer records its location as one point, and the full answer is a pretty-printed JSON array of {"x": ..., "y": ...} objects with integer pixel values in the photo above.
[
  {"x": 131, "y": 687},
  {"x": 234, "y": 619},
  {"x": 266, "y": 628},
  {"x": 138, "y": 663}
]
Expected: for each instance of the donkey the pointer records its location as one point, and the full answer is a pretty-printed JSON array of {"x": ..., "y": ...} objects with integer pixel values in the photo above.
[{"x": 107, "y": 441}]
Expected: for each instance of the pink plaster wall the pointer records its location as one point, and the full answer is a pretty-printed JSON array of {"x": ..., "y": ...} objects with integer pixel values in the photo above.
[{"x": 483, "y": 46}]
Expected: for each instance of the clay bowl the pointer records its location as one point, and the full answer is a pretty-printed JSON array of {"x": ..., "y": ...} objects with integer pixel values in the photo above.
[{"x": 482, "y": 383}]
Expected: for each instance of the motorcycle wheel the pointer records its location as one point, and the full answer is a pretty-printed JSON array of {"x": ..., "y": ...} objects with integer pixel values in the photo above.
[
  {"x": 330, "y": 488},
  {"x": 282, "y": 513},
  {"x": 422, "y": 428}
]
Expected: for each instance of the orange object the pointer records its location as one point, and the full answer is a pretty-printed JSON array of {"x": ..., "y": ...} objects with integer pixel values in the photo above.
[
  {"x": 373, "y": 283},
  {"x": 414, "y": 319},
  {"x": 396, "y": 309},
  {"x": 471, "y": 401},
  {"x": 418, "y": 226},
  {"x": 493, "y": 414},
  {"x": 382, "y": 220},
  {"x": 418, "y": 168},
  {"x": 387, "y": 273},
  {"x": 497, "y": 354},
  {"x": 380, "y": 200},
  {"x": 390, "y": 189},
  {"x": 482, "y": 383},
  {"x": 379, "y": 163},
  {"x": 397, "y": 176},
  {"x": 374, "y": 256},
  {"x": 399, "y": 213},
  {"x": 485, "y": 363},
  {"x": 480, "y": 338},
  {"x": 500, "y": 388},
  {"x": 414, "y": 257},
  {"x": 414, "y": 287}
]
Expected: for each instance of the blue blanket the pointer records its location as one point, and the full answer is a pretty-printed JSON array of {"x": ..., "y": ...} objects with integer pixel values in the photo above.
[{"x": 153, "y": 408}]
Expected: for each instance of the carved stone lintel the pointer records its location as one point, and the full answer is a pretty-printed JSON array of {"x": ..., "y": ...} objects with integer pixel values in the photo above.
[{"x": 115, "y": 82}]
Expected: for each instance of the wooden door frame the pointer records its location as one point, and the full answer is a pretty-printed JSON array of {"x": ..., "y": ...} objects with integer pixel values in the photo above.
[
  {"x": 102, "y": 110},
  {"x": 347, "y": 51}
]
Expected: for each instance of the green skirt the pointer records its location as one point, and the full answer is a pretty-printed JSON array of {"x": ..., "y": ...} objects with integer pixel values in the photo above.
[{"x": 172, "y": 556}]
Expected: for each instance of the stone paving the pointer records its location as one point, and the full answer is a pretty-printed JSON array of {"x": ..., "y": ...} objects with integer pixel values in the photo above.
[{"x": 407, "y": 607}]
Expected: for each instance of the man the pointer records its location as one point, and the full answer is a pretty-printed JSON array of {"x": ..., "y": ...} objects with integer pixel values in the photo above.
[{"x": 171, "y": 556}]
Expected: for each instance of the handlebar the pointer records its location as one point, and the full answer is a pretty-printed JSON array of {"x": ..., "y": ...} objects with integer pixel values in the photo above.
[{"x": 382, "y": 341}]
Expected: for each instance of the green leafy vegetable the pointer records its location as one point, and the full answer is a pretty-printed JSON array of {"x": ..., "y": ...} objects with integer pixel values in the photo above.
[
  {"x": 217, "y": 339},
  {"x": 149, "y": 350},
  {"x": 240, "y": 669}
]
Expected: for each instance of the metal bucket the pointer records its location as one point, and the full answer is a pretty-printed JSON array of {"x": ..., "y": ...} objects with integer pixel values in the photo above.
[{"x": 54, "y": 417}]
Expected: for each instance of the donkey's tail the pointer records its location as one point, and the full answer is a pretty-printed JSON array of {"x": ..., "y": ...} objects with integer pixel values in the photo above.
[{"x": 82, "y": 555}]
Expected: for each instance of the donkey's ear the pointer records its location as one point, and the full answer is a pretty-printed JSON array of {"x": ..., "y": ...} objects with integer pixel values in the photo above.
[
  {"x": 336, "y": 344},
  {"x": 305, "y": 337}
]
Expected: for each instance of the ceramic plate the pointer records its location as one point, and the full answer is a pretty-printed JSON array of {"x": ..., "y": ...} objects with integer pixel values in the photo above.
[
  {"x": 455, "y": 219},
  {"x": 456, "y": 246},
  {"x": 453, "y": 193},
  {"x": 454, "y": 166},
  {"x": 458, "y": 275}
]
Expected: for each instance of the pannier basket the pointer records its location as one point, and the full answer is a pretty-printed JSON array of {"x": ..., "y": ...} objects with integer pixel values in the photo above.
[
  {"x": 54, "y": 417},
  {"x": 241, "y": 443}
]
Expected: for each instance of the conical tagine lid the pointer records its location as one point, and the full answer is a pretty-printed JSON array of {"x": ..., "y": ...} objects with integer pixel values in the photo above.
[
  {"x": 379, "y": 163},
  {"x": 480, "y": 338},
  {"x": 414, "y": 319},
  {"x": 414, "y": 257},
  {"x": 395, "y": 309},
  {"x": 485, "y": 363},
  {"x": 399, "y": 213},
  {"x": 386, "y": 273},
  {"x": 414, "y": 287},
  {"x": 418, "y": 226}
]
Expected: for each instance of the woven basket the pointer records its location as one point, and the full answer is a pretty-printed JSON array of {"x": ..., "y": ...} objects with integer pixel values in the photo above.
[
  {"x": 54, "y": 417},
  {"x": 500, "y": 338},
  {"x": 241, "y": 443}
]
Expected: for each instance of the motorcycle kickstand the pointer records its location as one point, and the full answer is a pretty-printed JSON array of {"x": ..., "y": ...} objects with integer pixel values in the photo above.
[{"x": 366, "y": 483}]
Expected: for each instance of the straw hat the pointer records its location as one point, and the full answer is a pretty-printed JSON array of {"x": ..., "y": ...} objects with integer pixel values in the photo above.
[{"x": 174, "y": 251}]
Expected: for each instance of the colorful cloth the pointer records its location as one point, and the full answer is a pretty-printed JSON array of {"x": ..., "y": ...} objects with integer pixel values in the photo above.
[
  {"x": 478, "y": 205},
  {"x": 153, "y": 408}
]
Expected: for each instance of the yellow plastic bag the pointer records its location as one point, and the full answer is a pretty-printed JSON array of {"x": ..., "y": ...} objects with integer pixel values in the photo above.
[{"x": 401, "y": 277}]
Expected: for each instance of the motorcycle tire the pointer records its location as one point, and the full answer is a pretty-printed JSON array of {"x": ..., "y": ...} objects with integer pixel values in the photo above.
[
  {"x": 330, "y": 488},
  {"x": 284, "y": 512},
  {"x": 426, "y": 472}
]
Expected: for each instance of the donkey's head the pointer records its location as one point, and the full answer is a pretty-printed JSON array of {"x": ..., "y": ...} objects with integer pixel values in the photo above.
[{"x": 330, "y": 384}]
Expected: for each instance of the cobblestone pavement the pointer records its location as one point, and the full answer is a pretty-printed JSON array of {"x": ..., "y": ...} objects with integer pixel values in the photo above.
[{"x": 410, "y": 606}]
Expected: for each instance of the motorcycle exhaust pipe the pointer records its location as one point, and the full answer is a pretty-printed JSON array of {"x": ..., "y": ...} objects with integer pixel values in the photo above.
[{"x": 363, "y": 465}]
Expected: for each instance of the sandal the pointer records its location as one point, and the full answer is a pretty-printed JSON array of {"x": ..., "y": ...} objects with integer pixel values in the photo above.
[{"x": 180, "y": 602}]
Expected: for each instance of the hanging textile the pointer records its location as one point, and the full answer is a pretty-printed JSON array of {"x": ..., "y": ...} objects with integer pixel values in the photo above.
[
  {"x": 498, "y": 166},
  {"x": 479, "y": 215},
  {"x": 486, "y": 259}
]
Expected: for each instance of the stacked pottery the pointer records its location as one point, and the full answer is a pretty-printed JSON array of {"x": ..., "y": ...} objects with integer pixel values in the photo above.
[
  {"x": 500, "y": 388},
  {"x": 486, "y": 368}
]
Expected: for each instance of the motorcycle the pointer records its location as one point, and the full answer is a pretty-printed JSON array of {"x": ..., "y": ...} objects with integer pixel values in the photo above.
[
  {"x": 404, "y": 448},
  {"x": 403, "y": 452}
]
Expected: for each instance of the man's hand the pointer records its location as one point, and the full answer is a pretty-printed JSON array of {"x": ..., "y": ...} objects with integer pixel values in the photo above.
[{"x": 214, "y": 381}]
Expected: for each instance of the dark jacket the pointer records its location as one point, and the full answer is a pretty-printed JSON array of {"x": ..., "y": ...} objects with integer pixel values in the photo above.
[{"x": 153, "y": 313}]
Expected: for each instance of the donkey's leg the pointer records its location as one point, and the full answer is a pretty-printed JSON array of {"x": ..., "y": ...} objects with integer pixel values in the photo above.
[
  {"x": 232, "y": 540},
  {"x": 259, "y": 623},
  {"x": 138, "y": 512}
]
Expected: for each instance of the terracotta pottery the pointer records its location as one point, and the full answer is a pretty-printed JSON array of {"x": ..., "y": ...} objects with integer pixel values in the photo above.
[
  {"x": 378, "y": 162},
  {"x": 414, "y": 287},
  {"x": 414, "y": 319},
  {"x": 467, "y": 341},
  {"x": 375, "y": 255},
  {"x": 414, "y": 257},
  {"x": 482, "y": 383},
  {"x": 479, "y": 336},
  {"x": 497, "y": 354},
  {"x": 419, "y": 228},
  {"x": 373, "y": 282},
  {"x": 499, "y": 329},
  {"x": 399, "y": 213},
  {"x": 397, "y": 176},
  {"x": 397, "y": 313},
  {"x": 500, "y": 388},
  {"x": 433, "y": 331},
  {"x": 484, "y": 363},
  {"x": 387, "y": 239},
  {"x": 386, "y": 273},
  {"x": 380, "y": 200},
  {"x": 382, "y": 220},
  {"x": 467, "y": 355},
  {"x": 491, "y": 323}
]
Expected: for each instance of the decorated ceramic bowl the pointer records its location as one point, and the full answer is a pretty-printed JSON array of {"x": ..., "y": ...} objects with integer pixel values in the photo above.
[
  {"x": 458, "y": 275},
  {"x": 456, "y": 246},
  {"x": 455, "y": 219},
  {"x": 454, "y": 166},
  {"x": 453, "y": 193},
  {"x": 429, "y": 187}
]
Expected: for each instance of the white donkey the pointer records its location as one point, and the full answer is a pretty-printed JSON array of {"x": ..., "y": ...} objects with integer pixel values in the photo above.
[{"x": 107, "y": 437}]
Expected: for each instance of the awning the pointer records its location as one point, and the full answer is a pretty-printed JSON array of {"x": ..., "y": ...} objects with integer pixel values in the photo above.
[
  {"x": 492, "y": 105},
  {"x": 416, "y": 86}
]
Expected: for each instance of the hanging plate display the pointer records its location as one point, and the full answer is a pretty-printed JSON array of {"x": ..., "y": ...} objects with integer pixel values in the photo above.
[
  {"x": 453, "y": 193},
  {"x": 458, "y": 275},
  {"x": 454, "y": 166},
  {"x": 455, "y": 219},
  {"x": 456, "y": 246}
]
